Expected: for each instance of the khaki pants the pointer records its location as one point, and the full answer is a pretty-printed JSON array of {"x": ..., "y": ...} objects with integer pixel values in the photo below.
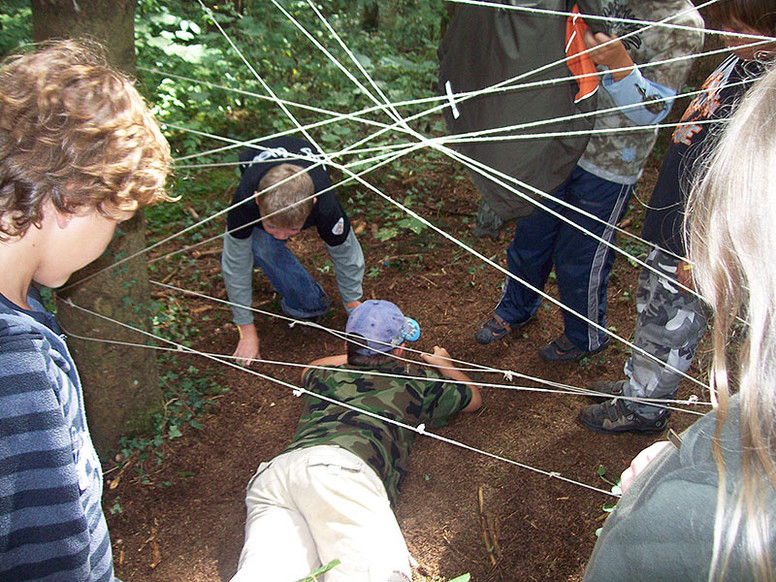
[{"x": 310, "y": 506}]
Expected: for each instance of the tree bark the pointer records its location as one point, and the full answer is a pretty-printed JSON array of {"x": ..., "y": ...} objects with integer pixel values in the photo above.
[{"x": 121, "y": 384}]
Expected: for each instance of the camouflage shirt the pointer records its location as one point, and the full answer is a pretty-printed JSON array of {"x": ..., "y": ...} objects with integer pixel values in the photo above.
[
  {"x": 424, "y": 399},
  {"x": 620, "y": 156}
]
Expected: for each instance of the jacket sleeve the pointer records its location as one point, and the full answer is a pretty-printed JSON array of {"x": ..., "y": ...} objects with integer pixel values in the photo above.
[
  {"x": 635, "y": 89},
  {"x": 237, "y": 270},
  {"x": 663, "y": 75},
  {"x": 662, "y": 527},
  {"x": 348, "y": 259},
  {"x": 44, "y": 532}
]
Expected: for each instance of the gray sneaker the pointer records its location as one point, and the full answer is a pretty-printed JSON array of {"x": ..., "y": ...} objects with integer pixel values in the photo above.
[
  {"x": 613, "y": 416},
  {"x": 607, "y": 389}
]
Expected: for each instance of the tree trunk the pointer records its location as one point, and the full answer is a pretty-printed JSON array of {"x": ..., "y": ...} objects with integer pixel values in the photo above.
[{"x": 121, "y": 384}]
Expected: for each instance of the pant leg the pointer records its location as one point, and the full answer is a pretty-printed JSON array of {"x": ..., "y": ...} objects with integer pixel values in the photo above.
[
  {"x": 350, "y": 518},
  {"x": 529, "y": 258},
  {"x": 582, "y": 262},
  {"x": 301, "y": 296},
  {"x": 669, "y": 325},
  {"x": 278, "y": 544}
]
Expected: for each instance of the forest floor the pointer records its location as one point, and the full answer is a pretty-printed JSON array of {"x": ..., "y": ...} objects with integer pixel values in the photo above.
[{"x": 460, "y": 511}]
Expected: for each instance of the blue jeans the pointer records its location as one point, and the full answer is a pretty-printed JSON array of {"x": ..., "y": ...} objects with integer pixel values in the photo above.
[
  {"x": 301, "y": 296},
  {"x": 582, "y": 263}
]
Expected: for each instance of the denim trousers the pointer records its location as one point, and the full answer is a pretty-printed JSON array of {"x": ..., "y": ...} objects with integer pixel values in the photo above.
[
  {"x": 582, "y": 263},
  {"x": 301, "y": 295}
]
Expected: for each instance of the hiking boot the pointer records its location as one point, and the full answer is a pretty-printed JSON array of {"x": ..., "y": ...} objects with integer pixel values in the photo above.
[
  {"x": 613, "y": 416},
  {"x": 607, "y": 389},
  {"x": 562, "y": 349},
  {"x": 496, "y": 328}
]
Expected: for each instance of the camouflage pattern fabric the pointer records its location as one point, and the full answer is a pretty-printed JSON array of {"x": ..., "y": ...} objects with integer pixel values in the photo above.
[
  {"x": 669, "y": 326},
  {"x": 620, "y": 156},
  {"x": 425, "y": 399}
]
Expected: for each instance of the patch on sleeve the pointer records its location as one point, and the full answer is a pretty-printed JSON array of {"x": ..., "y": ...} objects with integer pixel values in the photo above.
[{"x": 339, "y": 227}]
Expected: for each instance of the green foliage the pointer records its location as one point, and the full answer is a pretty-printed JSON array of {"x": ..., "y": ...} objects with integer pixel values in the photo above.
[
  {"x": 274, "y": 54},
  {"x": 616, "y": 490},
  {"x": 15, "y": 25},
  {"x": 313, "y": 576},
  {"x": 189, "y": 395}
]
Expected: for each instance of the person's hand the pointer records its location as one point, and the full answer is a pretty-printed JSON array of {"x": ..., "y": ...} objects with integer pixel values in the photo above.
[
  {"x": 612, "y": 55},
  {"x": 640, "y": 462},
  {"x": 684, "y": 275},
  {"x": 439, "y": 359},
  {"x": 248, "y": 346}
]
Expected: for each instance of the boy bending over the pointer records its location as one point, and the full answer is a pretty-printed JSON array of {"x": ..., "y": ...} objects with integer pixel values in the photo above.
[
  {"x": 275, "y": 202},
  {"x": 329, "y": 495}
]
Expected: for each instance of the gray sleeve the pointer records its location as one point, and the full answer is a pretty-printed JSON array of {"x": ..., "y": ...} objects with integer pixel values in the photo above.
[
  {"x": 237, "y": 269},
  {"x": 348, "y": 262}
]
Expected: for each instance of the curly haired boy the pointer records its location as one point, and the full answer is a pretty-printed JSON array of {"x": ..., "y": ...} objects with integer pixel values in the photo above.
[{"x": 79, "y": 153}]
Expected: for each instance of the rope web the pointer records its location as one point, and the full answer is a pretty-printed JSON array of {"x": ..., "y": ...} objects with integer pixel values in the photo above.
[{"x": 357, "y": 162}]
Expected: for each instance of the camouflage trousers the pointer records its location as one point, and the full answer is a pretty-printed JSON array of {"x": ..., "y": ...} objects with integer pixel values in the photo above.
[{"x": 669, "y": 326}]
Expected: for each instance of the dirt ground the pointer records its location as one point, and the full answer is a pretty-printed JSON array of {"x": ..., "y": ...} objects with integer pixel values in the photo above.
[{"x": 460, "y": 511}]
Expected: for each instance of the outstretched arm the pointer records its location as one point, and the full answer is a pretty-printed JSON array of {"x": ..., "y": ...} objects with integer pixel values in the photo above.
[
  {"x": 441, "y": 360},
  {"x": 348, "y": 260},
  {"x": 237, "y": 270},
  {"x": 338, "y": 360}
]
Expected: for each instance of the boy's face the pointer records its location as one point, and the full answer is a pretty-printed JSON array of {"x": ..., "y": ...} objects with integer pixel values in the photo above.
[
  {"x": 75, "y": 241},
  {"x": 281, "y": 233},
  {"x": 747, "y": 53}
]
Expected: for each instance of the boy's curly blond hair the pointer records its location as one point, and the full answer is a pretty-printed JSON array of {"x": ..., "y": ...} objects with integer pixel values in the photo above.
[
  {"x": 76, "y": 132},
  {"x": 279, "y": 189}
]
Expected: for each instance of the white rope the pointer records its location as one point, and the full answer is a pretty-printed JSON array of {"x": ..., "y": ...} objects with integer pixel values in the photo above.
[
  {"x": 298, "y": 390},
  {"x": 462, "y": 365},
  {"x": 399, "y": 124}
]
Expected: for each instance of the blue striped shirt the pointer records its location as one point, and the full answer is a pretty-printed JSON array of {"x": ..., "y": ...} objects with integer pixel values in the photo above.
[{"x": 51, "y": 522}]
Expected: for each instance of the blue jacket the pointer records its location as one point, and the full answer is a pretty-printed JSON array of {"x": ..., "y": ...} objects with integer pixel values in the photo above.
[{"x": 51, "y": 521}]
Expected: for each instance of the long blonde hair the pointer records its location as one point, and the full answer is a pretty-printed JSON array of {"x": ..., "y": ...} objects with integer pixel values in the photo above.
[{"x": 731, "y": 226}]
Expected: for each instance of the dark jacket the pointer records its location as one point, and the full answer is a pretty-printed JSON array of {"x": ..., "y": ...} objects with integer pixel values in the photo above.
[{"x": 485, "y": 46}]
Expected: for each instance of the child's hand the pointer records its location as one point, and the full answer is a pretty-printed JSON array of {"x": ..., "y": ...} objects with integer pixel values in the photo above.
[
  {"x": 613, "y": 55},
  {"x": 640, "y": 462},
  {"x": 248, "y": 347},
  {"x": 439, "y": 359}
]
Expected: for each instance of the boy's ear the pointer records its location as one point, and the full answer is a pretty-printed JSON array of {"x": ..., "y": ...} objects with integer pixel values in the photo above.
[
  {"x": 50, "y": 212},
  {"x": 63, "y": 218}
]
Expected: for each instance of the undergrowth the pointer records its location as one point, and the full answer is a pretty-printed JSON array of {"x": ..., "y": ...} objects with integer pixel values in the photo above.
[{"x": 189, "y": 396}]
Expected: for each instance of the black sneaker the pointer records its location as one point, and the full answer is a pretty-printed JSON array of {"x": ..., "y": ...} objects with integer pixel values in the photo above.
[
  {"x": 607, "y": 389},
  {"x": 562, "y": 349},
  {"x": 496, "y": 328},
  {"x": 613, "y": 416}
]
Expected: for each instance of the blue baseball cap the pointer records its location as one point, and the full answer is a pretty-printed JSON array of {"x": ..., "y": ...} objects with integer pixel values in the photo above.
[{"x": 382, "y": 325}]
